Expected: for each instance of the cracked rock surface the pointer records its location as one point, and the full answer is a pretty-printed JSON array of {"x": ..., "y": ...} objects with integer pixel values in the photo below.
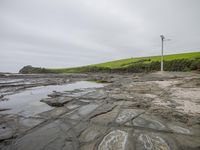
[{"x": 155, "y": 111}]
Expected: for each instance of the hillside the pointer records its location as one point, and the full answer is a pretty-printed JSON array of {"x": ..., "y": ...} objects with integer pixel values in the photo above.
[{"x": 174, "y": 62}]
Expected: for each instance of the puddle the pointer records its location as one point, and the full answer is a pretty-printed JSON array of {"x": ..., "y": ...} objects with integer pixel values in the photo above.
[{"x": 27, "y": 102}]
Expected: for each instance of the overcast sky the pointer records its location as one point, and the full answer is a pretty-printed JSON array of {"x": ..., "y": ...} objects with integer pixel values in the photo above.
[{"x": 66, "y": 33}]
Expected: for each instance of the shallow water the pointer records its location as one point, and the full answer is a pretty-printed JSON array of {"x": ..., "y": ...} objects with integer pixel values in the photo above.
[
  {"x": 3, "y": 81},
  {"x": 27, "y": 102}
]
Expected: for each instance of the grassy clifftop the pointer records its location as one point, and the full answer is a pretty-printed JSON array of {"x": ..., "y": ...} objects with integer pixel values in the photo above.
[
  {"x": 127, "y": 62},
  {"x": 175, "y": 62}
]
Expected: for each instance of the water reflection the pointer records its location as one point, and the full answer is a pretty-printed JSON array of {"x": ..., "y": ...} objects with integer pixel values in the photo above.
[{"x": 27, "y": 102}]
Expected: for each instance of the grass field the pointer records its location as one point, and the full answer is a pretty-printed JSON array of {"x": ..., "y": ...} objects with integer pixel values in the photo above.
[
  {"x": 126, "y": 62},
  {"x": 185, "y": 61}
]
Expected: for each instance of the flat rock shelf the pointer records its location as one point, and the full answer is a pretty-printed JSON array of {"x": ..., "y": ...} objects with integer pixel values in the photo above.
[{"x": 155, "y": 111}]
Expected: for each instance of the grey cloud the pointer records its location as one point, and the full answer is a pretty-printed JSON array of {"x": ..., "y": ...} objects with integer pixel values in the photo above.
[{"x": 68, "y": 33}]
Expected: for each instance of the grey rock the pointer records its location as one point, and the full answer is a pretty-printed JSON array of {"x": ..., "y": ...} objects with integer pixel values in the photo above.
[
  {"x": 149, "y": 122},
  {"x": 127, "y": 114},
  {"x": 52, "y": 133},
  {"x": 58, "y": 101},
  {"x": 5, "y": 132},
  {"x": 115, "y": 140}
]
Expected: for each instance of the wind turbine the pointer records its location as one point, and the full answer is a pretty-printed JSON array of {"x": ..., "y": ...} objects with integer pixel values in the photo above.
[{"x": 162, "y": 57}]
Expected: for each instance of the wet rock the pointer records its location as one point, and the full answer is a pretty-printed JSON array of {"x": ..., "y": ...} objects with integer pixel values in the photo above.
[
  {"x": 121, "y": 96},
  {"x": 52, "y": 133},
  {"x": 3, "y": 98},
  {"x": 149, "y": 122},
  {"x": 91, "y": 133},
  {"x": 12, "y": 126},
  {"x": 79, "y": 128},
  {"x": 179, "y": 129},
  {"x": 111, "y": 117},
  {"x": 58, "y": 101},
  {"x": 4, "y": 109},
  {"x": 54, "y": 113},
  {"x": 84, "y": 100},
  {"x": 60, "y": 143},
  {"x": 28, "y": 123},
  {"x": 88, "y": 146},
  {"x": 103, "y": 109},
  {"x": 127, "y": 114},
  {"x": 143, "y": 105},
  {"x": 106, "y": 118},
  {"x": 98, "y": 94},
  {"x": 115, "y": 140},
  {"x": 55, "y": 94},
  {"x": 124, "y": 104},
  {"x": 72, "y": 106},
  {"x": 187, "y": 142},
  {"x": 5, "y": 132},
  {"x": 151, "y": 142},
  {"x": 78, "y": 93},
  {"x": 83, "y": 111}
]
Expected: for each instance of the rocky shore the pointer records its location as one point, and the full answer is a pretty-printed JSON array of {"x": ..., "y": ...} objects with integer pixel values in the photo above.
[{"x": 154, "y": 111}]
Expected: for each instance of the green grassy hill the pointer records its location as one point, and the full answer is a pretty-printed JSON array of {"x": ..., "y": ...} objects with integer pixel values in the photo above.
[
  {"x": 174, "y": 62},
  {"x": 126, "y": 62}
]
